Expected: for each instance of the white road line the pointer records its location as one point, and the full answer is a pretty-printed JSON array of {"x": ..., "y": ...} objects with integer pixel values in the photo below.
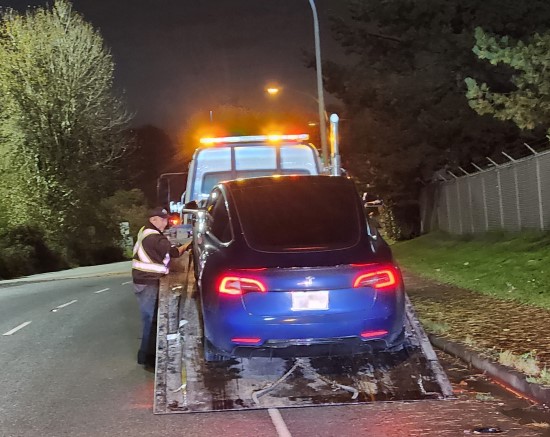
[
  {"x": 279, "y": 423},
  {"x": 64, "y": 305},
  {"x": 127, "y": 282},
  {"x": 17, "y": 328},
  {"x": 101, "y": 291}
]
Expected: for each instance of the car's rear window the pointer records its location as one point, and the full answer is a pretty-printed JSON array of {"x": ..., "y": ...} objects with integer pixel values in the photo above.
[{"x": 309, "y": 215}]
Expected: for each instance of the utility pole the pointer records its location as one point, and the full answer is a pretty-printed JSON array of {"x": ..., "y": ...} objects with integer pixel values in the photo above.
[{"x": 320, "y": 93}]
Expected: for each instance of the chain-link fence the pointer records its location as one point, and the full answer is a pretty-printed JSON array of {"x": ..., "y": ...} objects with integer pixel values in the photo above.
[{"x": 511, "y": 196}]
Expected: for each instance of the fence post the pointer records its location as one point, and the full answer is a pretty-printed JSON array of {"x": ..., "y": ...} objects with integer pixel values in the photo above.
[
  {"x": 471, "y": 206},
  {"x": 539, "y": 189},
  {"x": 448, "y": 210},
  {"x": 500, "y": 205},
  {"x": 483, "y": 191},
  {"x": 459, "y": 201},
  {"x": 517, "y": 196}
]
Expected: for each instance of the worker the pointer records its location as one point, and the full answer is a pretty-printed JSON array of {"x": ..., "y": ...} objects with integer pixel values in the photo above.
[{"x": 152, "y": 253}]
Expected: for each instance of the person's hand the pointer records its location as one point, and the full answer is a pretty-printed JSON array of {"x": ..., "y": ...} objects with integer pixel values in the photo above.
[{"x": 183, "y": 248}]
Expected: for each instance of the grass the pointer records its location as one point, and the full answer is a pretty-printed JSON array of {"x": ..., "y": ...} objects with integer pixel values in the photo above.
[
  {"x": 525, "y": 363},
  {"x": 434, "y": 327},
  {"x": 508, "y": 266},
  {"x": 528, "y": 364},
  {"x": 540, "y": 425},
  {"x": 484, "y": 397}
]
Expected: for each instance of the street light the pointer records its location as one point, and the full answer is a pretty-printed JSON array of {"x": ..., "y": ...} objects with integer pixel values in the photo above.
[
  {"x": 320, "y": 98},
  {"x": 274, "y": 91}
]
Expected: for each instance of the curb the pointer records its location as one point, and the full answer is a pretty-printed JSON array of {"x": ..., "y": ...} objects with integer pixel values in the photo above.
[
  {"x": 101, "y": 270},
  {"x": 14, "y": 282},
  {"x": 510, "y": 378}
]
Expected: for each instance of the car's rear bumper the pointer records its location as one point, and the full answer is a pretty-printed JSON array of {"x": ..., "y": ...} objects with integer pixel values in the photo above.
[
  {"x": 319, "y": 347},
  {"x": 306, "y": 335}
]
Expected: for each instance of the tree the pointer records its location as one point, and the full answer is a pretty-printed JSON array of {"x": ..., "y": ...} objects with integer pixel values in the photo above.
[
  {"x": 528, "y": 103},
  {"x": 404, "y": 86},
  {"x": 154, "y": 153},
  {"x": 61, "y": 128}
]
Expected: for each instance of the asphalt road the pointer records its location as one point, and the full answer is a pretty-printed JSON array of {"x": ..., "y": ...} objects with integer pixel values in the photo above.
[{"x": 72, "y": 371}]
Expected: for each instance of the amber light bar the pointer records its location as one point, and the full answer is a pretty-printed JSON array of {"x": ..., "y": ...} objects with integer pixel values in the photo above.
[{"x": 253, "y": 138}]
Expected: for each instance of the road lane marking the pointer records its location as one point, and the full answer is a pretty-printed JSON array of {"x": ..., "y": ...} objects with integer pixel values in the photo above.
[
  {"x": 101, "y": 291},
  {"x": 127, "y": 282},
  {"x": 279, "y": 423},
  {"x": 64, "y": 305},
  {"x": 17, "y": 328}
]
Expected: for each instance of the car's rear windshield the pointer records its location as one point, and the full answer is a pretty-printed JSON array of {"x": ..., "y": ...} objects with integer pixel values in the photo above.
[{"x": 309, "y": 215}]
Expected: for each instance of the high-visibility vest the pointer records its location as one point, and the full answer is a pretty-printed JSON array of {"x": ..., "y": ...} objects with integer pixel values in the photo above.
[{"x": 143, "y": 261}]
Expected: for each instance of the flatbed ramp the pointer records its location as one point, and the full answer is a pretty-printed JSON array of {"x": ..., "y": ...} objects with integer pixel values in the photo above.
[{"x": 184, "y": 382}]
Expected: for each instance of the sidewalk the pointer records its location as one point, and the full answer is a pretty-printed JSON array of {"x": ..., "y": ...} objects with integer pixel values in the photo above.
[
  {"x": 478, "y": 323},
  {"x": 118, "y": 268}
]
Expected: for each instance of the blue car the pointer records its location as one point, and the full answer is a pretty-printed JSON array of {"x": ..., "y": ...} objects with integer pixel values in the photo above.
[{"x": 288, "y": 265}]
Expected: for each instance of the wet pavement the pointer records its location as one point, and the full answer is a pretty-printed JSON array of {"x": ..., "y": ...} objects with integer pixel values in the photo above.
[
  {"x": 487, "y": 326},
  {"x": 470, "y": 385}
]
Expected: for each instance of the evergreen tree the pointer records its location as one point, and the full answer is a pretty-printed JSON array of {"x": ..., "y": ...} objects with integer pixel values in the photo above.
[
  {"x": 404, "y": 89},
  {"x": 527, "y": 104}
]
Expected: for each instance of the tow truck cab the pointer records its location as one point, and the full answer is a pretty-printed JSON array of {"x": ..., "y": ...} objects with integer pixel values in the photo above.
[{"x": 226, "y": 158}]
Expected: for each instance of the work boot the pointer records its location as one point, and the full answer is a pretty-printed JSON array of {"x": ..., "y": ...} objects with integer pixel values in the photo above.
[
  {"x": 141, "y": 357},
  {"x": 150, "y": 361}
]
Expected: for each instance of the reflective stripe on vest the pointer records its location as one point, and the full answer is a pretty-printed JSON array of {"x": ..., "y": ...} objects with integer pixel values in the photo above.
[{"x": 144, "y": 263}]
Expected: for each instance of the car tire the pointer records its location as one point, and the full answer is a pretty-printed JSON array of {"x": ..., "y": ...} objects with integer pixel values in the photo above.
[{"x": 212, "y": 354}]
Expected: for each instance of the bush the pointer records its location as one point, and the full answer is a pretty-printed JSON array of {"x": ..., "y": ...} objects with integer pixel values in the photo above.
[
  {"x": 127, "y": 206},
  {"x": 23, "y": 251}
]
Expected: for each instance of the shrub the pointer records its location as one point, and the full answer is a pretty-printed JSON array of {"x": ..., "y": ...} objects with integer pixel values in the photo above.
[{"x": 24, "y": 251}]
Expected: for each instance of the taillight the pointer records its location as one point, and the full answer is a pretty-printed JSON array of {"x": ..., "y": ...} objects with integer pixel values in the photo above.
[
  {"x": 246, "y": 340},
  {"x": 236, "y": 285},
  {"x": 374, "y": 334},
  {"x": 174, "y": 220},
  {"x": 380, "y": 278}
]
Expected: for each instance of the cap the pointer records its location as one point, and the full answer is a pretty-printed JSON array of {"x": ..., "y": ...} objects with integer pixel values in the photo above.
[{"x": 158, "y": 212}]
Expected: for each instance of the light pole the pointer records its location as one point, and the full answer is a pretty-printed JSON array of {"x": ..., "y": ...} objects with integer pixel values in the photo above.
[
  {"x": 320, "y": 94},
  {"x": 335, "y": 157}
]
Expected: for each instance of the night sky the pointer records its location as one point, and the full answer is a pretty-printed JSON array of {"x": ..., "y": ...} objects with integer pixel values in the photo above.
[{"x": 176, "y": 57}]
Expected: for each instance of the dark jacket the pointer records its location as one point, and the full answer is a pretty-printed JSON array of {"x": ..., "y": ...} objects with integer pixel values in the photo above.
[{"x": 156, "y": 246}]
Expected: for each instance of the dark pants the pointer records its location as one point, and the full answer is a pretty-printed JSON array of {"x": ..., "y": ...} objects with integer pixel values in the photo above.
[{"x": 147, "y": 296}]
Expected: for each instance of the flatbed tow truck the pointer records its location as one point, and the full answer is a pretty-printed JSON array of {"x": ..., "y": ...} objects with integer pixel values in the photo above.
[{"x": 185, "y": 383}]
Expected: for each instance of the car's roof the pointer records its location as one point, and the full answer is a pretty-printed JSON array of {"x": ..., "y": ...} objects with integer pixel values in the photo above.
[{"x": 287, "y": 180}]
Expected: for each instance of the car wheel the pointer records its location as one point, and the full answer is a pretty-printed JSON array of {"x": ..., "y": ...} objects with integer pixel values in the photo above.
[{"x": 212, "y": 353}]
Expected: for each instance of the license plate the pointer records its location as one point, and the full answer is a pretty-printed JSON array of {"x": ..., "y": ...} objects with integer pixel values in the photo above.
[{"x": 309, "y": 300}]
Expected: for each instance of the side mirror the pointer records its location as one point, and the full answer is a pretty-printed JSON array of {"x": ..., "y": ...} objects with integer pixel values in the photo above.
[{"x": 190, "y": 208}]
